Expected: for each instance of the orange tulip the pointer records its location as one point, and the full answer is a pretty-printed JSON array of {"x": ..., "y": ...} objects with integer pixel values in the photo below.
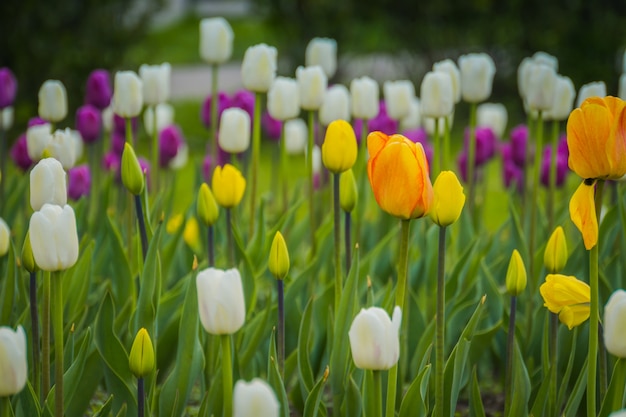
[
  {"x": 398, "y": 172},
  {"x": 596, "y": 137}
]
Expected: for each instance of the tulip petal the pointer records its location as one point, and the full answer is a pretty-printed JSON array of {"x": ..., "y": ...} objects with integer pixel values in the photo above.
[
  {"x": 574, "y": 315},
  {"x": 582, "y": 211},
  {"x": 375, "y": 142},
  {"x": 587, "y": 131}
]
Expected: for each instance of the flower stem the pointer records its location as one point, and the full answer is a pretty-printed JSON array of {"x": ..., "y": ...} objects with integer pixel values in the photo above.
[
  {"x": 602, "y": 365},
  {"x": 229, "y": 237},
  {"x": 551, "y": 195},
  {"x": 45, "y": 336},
  {"x": 552, "y": 397},
  {"x": 471, "y": 159},
  {"x": 155, "y": 149},
  {"x": 337, "y": 234},
  {"x": 256, "y": 150},
  {"x": 227, "y": 375},
  {"x": 510, "y": 345},
  {"x": 34, "y": 319},
  {"x": 438, "y": 162},
  {"x": 211, "y": 247},
  {"x": 446, "y": 143},
  {"x": 140, "y": 397},
  {"x": 214, "y": 108},
  {"x": 57, "y": 289},
  {"x": 5, "y": 406},
  {"x": 378, "y": 393},
  {"x": 309, "y": 156},
  {"x": 439, "y": 348},
  {"x": 281, "y": 327},
  {"x": 142, "y": 227},
  {"x": 348, "y": 239},
  {"x": 534, "y": 208}
]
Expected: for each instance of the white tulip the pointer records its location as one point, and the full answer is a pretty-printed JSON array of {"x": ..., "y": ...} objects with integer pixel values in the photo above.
[
  {"x": 540, "y": 88},
  {"x": 374, "y": 338},
  {"x": 437, "y": 97},
  {"x": 295, "y": 136},
  {"x": 53, "y": 237},
  {"x": 254, "y": 399},
  {"x": 216, "y": 40},
  {"x": 312, "y": 82},
  {"x": 165, "y": 117},
  {"x": 283, "y": 99},
  {"x": 13, "y": 362},
  {"x": 477, "y": 71},
  {"x": 563, "y": 102},
  {"x": 52, "y": 101},
  {"x": 107, "y": 118},
  {"x": 221, "y": 301},
  {"x": 493, "y": 115},
  {"x": 398, "y": 98},
  {"x": 47, "y": 184},
  {"x": 258, "y": 69},
  {"x": 615, "y": 324},
  {"x": 63, "y": 147},
  {"x": 448, "y": 66},
  {"x": 156, "y": 83},
  {"x": 6, "y": 118},
  {"x": 79, "y": 145},
  {"x": 594, "y": 89},
  {"x": 622, "y": 87},
  {"x": 5, "y": 237},
  {"x": 336, "y": 105},
  {"x": 127, "y": 94},
  {"x": 37, "y": 139},
  {"x": 234, "y": 133},
  {"x": 317, "y": 159},
  {"x": 365, "y": 102},
  {"x": 522, "y": 76},
  {"x": 620, "y": 413},
  {"x": 181, "y": 158},
  {"x": 546, "y": 59},
  {"x": 413, "y": 120},
  {"x": 322, "y": 52}
]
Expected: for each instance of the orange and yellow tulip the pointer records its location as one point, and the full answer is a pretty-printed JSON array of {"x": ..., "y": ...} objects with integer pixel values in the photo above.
[
  {"x": 398, "y": 172},
  {"x": 568, "y": 297},
  {"x": 582, "y": 211}
]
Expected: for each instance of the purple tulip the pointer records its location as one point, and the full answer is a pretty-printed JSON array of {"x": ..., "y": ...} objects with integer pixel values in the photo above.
[
  {"x": 244, "y": 99},
  {"x": 519, "y": 139},
  {"x": 513, "y": 174},
  {"x": 170, "y": 141},
  {"x": 79, "y": 182},
  {"x": 562, "y": 149},
  {"x": 8, "y": 87},
  {"x": 561, "y": 167},
  {"x": 223, "y": 102},
  {"x": 98, "y": 91},
  {"x": 36, "y": 121},
  {"x": 111, "y": 161},
  {"x": 382, "y": 122},
  {"x": 271, "y": 126},
  {"x": 19, "y": 153},
  {"x": 118, "y": 139},
  {"x": 89, "y": 123},
  {"x": 419, "y": 135},
  {"x": 119, "y": 124},
  {"x": 485, "y": 144}
]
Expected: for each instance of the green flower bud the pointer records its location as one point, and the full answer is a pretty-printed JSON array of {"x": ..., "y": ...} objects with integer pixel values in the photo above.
[
  {"x": 28, "y": 260},
  {"x": 132, "y": 176},
  {"x": 348, "y": 191},
  {"x": 207, "y": 208},
  {"x": 555, "y": 256},
  {"x": 516, "y": 275},
  {"x": 141, "y": 360},
  {"x": 279, "y": 257}
]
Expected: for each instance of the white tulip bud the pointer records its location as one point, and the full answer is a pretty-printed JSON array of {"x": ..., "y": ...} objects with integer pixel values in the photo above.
[
  {"x": 37, "y": 139},
  {"x": 494, "y": 116},
  {"x": 6, "y": 118},
  {"x": 374, "y": 338},
  {"x": 52, "y": 101},
  {"x": 283, "y": 99},
  {"x": 156, "y": 83},
  {"x": 322, "y": 52},
  {"x": 62, "y": 147},
  {"x": 216, "y": 40},
  {"x": 563, "y": 102},
  {"x": 127, "y": 94},
  {"x": 258, "y": 69},
  {"x": 365, "y": 102},
  {"x": 593, "y": 89},
  {"x": 295, "y": 136},
  {"x": 107, "y": 118},
  {"x": 622, "y": 87},
  {"x": 79, "y": 145},
  {"x": 13, "y": 362},
  {"x": 317, "y": 159},
  {"x": 398, "y": 98},
  {"x": 614, "y": 319},
  {"x": 522, "y": 77},
  {"x": 540, "y": 88},
  {"x": 436, "y": 94},
  {"x": 413, "y": 120},
  {"x": 254, "y": 398},
  {"x": 336, "y": 105},
  {"x": 221, "y": 301},
  {"x": 165, "y": 117},
  {"x": 234, "y": 133},
  {"x": 312, "y": 83},
  {"x": 5, "y": 237},
  {"x": 47, "y": 184},
  {"x": 477, "y": 71},
  {"x": 545, "y": 58},
  {"x": 448, "y": 66},
  {"x": 53, "y": 237}
]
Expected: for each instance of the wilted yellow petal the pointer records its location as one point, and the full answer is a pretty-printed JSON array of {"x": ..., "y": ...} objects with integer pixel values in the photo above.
[{"x": 582, "y": 211}]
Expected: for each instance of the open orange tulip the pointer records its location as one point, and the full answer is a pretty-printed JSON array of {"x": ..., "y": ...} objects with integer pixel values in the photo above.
[{"x": 398, "y": 172}]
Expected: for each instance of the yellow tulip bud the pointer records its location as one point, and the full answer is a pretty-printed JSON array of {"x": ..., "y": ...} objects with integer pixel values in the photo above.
[
  {"x": 555, "y": 256},
  {"x": 348, "y": 191},
  {"x": 339, "y": 148},
  {"x": 28, "y": 260},
  {"x": 279, "y": 257},
  {"x": 228, "y": 186},
  {"x": 448, "y": 199},
  {"x": 141, "y": 360},
  {"x": 132, "y": 176},
  {"x": 207, "y": 208},
  {"x": 516, "y": 275}
]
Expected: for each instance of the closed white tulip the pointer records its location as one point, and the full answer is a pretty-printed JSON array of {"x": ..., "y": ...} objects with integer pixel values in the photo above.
[
  {"x": 620, "y": 413},
  {"x": 165, "y": 117},
  {"x": 234, "y": 133},
  {"x": 317, "y": 159},
  {"x": 540, "y": 88},
  {"x": 622, "y": 87},
  {"x": 156, "y": 83},
  {"x": 312, "y": 82},
  {"x": 283, "y": 99},
  {"x": 63, "y": 147},
  {"x": 322, "y": 52},
  {"x": 563, "y": 102},
  {"x": 477, "y": 71},
  {"x": 522, "y": 76},
  {"x": 493, "y": 115},
  {"x": 429, "y": 124},
  {"x": 181, "y": 158},
  {"x": 216, "y": 40},
  {"x": 437, "y": 98},
  {"x": 364, "y": 94},
  {"x": 47, "y": 184},
  {"x": 37, "y": 139},
  {"x": 107, "y": 118},
  {"x": 374, "y": 338},
  {"x": 448, "y": 66},
  {"x": 53, "y": 237},
  {"x": 615, "y": 324},
  {"x": 593, "y": 89},
  {"x": 5, "y": 237},
  {"x": 258, "y": 69},
  {"x": 127, "y": 94},
  {"x": 546, "y": 59},
  {"x": 413, "y": 120},
  {"x": 254, "y": 399},
  {"x": 336, "y": 105},
  {"x": 398, "y": 98},
  {"x": 52, "y": 101},
  {"x": 13, "y": 362},
  {"x": 220, "y": 300},
  {"x": 79, "y": 145},
  {"x": 6, "y": 116},
  {"x": 295, "y": 136}
]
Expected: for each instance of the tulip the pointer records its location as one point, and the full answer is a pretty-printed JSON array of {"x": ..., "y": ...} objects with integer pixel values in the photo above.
[
  {"x": 244, "y": 100},
  {"x": 283, "y": 99},
  {"x": 223, "y": 102},
  {"x": 216, "y": 40},
  {"x": 128, "y": 94},
  {"x": 339, "y": 149},
  {"x": 448, "y": 199},
  {"x": 62, "y": 147},
  {"x": 382, "y": 122},
  {"x": 449, "y": 67},
  {"x": 19, "y": 153},
  {"x": 540, "y": 88},
  {"x": 546, "y": 59},
  {"x": 516, "y": 275},
  {"x": 322, "y": 52},
  {"x": 477, "y": 71},
  {"x": 258, "y": 68},
  {"x": 165, "y": 117},
  {"x": 141, "y": 360},
  {"x": 52, "y": 101},
  {"x": 111, "y": 161},
  {"x": 89, "y": 123},
  {"x": 132, "y": 173},
  {"x": 108, "y": 119},
  {"x": 98, "y": 90},
  {"x": 6, "y": 118},
  {"x": 561, "y": 168},
  {"x": 519, "y": 138},
  {"x": 37, "y": 139},
  {"x": 398, "y": 98},
  {"x": 583, "y": 214},
  {"x": 254, "y": 398},
  {"x": 593, "y": 89},
  {"x": 563, "y": 101},
  {"x": 348, "y": 191},
  {"x": 295, "y": 136},
  {"x": 221, "y": 301},
  {"x": 79, "y": 182},
  {"x": 555, "y": 255},
  {"x": 279, "y": 257},
  {"x": 155, "y": 80},
  {"x": 522, "y": 76},
  {"x": 436, "y": 95},
  {"x": 13, "y": 362},
  {"x": 206, "y": 208},
  {"x": 620, "y": 413},
  {"x": 234, "y": 133},
  {"x": 271, "y": 127},
  {"x": 312, "y": 82},
  {"x": 492, "y": 115},
  {"x": 171, "y": 142},
  {"x": 336, "y": 105},
  {"x": 485, "y": 144},
  {"x": 374, "y": 340},
  {"x": 364, "y": 98},
  {"x": 513, "y": 174},
  {"x": 228, "y": 186},
  {"x": 47, "y": 184},
  {"x": 614, "y": 319},
  {"x": 53, "y": 237},
  {"x": 413, "y": 120},
  {"x": 398, "y": 172},
  {"x": 567, "y": 297},
  {"x": 8, "y": 87},
  {"x": 5, "y": 237}
]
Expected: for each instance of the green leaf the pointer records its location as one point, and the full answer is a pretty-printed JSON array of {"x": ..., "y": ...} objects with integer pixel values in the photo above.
[
  {"x": 252, "y": 335},
  {"x": 476, "y": 408},
  {"x": 76, "y": 282},
  {"x": 616, "y": 393},
  {"x": 105, "y": 410},
  {"x": 313, "y": 401},
  {"x": 353, "y": 400},
  {"x": 305, "y": 372},
  {"x": 415, "y": 401},
  {"x": 149, "y": 289},
  {"x": 571, "y": 407},
  {"x": 521, "y": 385},
  {"x": 275, "y": 379},
  {"x": 9, "y": 286},
  {"x": 28, "y": 402}
]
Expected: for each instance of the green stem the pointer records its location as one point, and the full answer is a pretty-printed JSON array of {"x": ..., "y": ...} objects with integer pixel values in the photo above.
[
  {"x": 45, "y": 336},
  {"x": 214, "y": 107},
  {"x": 602, "y": 365},
  {"x": 57, "y": 289},
  {"x": 5, "y": 406},
  {"x": 256, "y": 150},
  {"x": 129, "y": 132},
  {"x": 229, "y": 238},
  {"x": 227, "y": 375},
  {"x": 210, "y": 247},
  {"x": 155, "y": 149},
  {"x": 552, "y": 398},
  {"x": 439, "y": 348},
  {"x": 446, "y": 143},
  {"x": 337, "y": 234},
  {"x": 141, "y": 398},
  {"x": 527, "y": 152},
  {"x": 309, "y": 156},
  {"x": 348, "y": 239},
  {"x": 281, "y": 327},
  {"x": 471, "y": 159},
  {"x": 438, "y": 162},
  {"x": 142, "y": 227},
  {"x": 34, "y": 318},
  {"x": 551, "y": 195},
  {"x": 534, "y": 203},
  {"x": 510, "y": 345},
  {"x": 378, "y": 393},
  {"x": 283, "y": 168}
]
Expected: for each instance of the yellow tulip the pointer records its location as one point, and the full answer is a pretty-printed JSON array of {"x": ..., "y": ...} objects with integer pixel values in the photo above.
[
  {"x": 228, "y": 186},
  {"x": 582, "y": 211},
  {"x": 191, "y": 234},
  {"x": 555, "y": 256},
  {"x": 448, "y": 199},
  {"x": 339, "y": 149},
  {"x": 279, "y": 257},
  {"x": 207, "y": 207},
  {"x": 141, "y": 359},
  {"x": 516, "y": 275},
  {"x": 348, "y": 191},
  {"x": 398, "y": 172},
  {"x": 568, "y": 297}
]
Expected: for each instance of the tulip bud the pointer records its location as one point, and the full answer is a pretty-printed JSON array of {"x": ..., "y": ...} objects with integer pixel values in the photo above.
[
  {"x": 13, "y": 362},
  {"x": 79, "y": 182},
  {"x": 234, "y": 131},
  {"x": 89, "y": 123},
  {"x": 62, "y": 147},
  {"x": 492, "y": 115},
  {"x": 448, "y": 200},
  {"x": 216, "y": 40},
  {"x": 477, "y": 71},
  {"x": 279, "y": 257},
  {"x": 221, "y": 300},
  {"x": 107, "y": 119},
  {"x": 37, "y": 139},
  {"x": 339, "y": 149},
  {"x": 132, "y": 174},
  {"x": 28, "y": 260},
  {"x": 5, "y": 237},
  {"x": 171, "y": 142},
  {"x": 155, "y": 80},
  {"x": 555, "y": 255},
  {"x": 98, "y": 90},
  {"x": 516, "y": 275},
  {"x": 312, "y": 84},
  {"x": 141, "y": 359},
  {"x": 258, "y": 68},
  {"x": 295, "y": 136},
  {"x": 593, "y": 89},
  {"x": 164, "y": 115},
  {"x": 52, "y": 101},
  {"x": 53, "y": 237},
  {"x": 364, "y": 98},
  {"x": 206, "y": 207},
  {"x": 6, "y": 118},
  {"x": 413, "y": 120},
  {"x": 448, "y": 66},
  {"x": 47, "y": 184},
  {"x": 348, "y": 191},
  {"x": 620, "y": 413},
  {"x": 546, "y": 59},
  {"x": 614, "y": 319},
  {"x": 322, "y": 52},
  {"x": 374, "y": 339},
  {"x": 128, "y": 94},
  {"x": 336, "y": 105},
  {"x": 8, "y": 88},
  {"x": 254, "y": 398},
  {"x": 437, "y": 98},
  {"x": 398, "y": 98},
  {"x": 563, "y": 100},
  {"x": 283, "y": 99},
  {"x": 228, "y": 186},
  {"x": 540, "y": 88}
]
